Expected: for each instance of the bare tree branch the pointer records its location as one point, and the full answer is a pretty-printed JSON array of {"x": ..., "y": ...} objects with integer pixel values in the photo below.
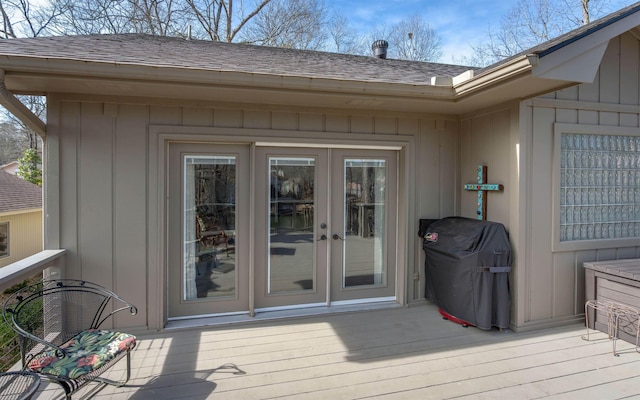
[
  {"x": 216, "y": 16},
  {"x": 531, "y": 22},
  {"x": 298, "y": 24}
]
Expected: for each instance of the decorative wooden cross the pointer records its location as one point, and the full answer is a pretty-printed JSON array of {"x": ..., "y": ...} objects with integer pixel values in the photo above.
[{"x": 482, "y": 187}]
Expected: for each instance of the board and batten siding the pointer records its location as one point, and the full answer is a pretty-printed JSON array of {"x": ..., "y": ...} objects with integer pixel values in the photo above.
[
  {"x": 108, "y": 210},
  {"x": 552, "y": 290},
  {"x": 25, "y": 235},
  {"x": 492, "y": 138}
]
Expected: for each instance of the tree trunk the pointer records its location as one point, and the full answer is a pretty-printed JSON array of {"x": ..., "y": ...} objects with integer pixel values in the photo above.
[{"x": 585, "y": 12}]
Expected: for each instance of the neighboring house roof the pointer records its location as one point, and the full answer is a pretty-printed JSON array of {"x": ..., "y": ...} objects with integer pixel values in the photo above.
[
  {"x": 17, "y": 194},
  {"x": 10, "y": 168},
  {"x": 176, "y": 68}
]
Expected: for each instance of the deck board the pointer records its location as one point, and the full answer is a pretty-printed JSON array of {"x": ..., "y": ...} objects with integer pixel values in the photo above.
[{"x": 401, "y": 353}]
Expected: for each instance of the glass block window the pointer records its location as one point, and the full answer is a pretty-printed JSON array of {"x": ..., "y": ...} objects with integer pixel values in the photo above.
[{"x": 599, "y": 187}]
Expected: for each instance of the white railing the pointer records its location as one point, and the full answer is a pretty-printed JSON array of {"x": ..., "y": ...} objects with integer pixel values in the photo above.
[{"x": 28, "y": 267}]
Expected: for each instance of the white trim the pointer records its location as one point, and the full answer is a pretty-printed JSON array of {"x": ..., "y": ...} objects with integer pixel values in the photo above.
[
  {"x": 291, "y": 307},
  {"x": 281, "y": 138},
  {"x": 330, "y": 304},
  {"x": 521, "y": 275},
  {"x": 503, "y": 72},
  {"x": 252, "y": 228},
  {"x": 580, "y": 59},
  {"x": 363, "y": 301},
  {"x": 595, "y": 130},
  {"x": 582, "y": 105},
  {"x": 23, "y": 269},
  {"x": 563, "y": 65},
  {"x": 189, "y": 317},
  {"x": 329, "y": 146},
  {"x": 244, "y": 317}
]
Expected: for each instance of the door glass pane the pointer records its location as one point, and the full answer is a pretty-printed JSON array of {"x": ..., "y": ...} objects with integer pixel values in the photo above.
[
  {"x": 291, "y": 208},
  {"x": 209, "y": 226},
  {"x": 364, "y": 209}
]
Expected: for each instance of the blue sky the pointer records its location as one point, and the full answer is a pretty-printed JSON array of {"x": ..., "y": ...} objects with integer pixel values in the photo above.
[{"x": 458, "y": 22}]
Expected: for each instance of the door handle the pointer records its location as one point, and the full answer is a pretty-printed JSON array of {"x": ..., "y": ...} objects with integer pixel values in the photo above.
[
  {"x": 323, "y": 237},
  {"x": 336, "y": 237}
]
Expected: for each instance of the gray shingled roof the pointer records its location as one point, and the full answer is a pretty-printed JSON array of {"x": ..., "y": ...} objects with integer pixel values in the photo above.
[
  {"x": 171, "y": 52},
  {"x": 17, "y": 194},
  {"x": 156, "y": 51}
]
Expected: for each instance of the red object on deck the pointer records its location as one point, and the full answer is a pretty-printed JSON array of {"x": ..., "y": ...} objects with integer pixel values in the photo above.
[{"x": 451, "y": 318}]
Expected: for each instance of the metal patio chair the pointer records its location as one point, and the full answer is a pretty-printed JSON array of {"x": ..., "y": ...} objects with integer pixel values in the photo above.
[
  {"x": 620, "y": 317},
  {"x": 58, "y": 326}
]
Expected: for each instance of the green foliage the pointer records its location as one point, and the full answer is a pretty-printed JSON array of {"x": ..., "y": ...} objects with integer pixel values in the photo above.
[
  {"x": 17, "y": 287},
  {"x": 30, "y": 165},
  {"x": 32, "y": 321},
  {"x": 9, "y": 345}
]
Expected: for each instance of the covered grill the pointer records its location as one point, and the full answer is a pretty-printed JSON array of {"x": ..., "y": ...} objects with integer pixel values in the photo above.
[{"x": 467, "y": 265}]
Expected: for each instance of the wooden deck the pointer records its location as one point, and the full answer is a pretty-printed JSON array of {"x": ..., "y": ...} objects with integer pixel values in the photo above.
[{"x": 401, "y": 353}]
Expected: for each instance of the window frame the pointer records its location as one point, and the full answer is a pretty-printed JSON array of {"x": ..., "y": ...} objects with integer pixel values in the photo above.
[{"x": 7, "y": 231}]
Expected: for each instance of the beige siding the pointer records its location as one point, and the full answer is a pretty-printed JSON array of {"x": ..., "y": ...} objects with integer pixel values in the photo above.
[
  {"x": 486, "y": 140},
  {"x": 437, "y": 168},
  {"x": 492, "y": 138},
  {"x": 108, "y": 209},
  {"x": 107, "y": 205},
  {"x": 554, "y": 284},
  {"x": 25, "y": 235},
  {"x": 129, "y": 204},
  {"x": 540, "y": 267}
]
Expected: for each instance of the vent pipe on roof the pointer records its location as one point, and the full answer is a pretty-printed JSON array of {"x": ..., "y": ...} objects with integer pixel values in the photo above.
[{"x": 379, "y": 48}]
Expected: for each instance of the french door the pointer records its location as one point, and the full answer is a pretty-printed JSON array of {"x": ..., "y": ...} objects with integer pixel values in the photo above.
[
  {"x": 208, "y": 225},
  {"x": 304, "y": 227},
  {"x": 326, "y": 228}
]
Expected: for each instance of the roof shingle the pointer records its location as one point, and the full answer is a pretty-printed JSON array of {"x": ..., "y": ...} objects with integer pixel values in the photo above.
[
  {"x": 17, "y": 194},
  {"x": 162, "y": 51}
]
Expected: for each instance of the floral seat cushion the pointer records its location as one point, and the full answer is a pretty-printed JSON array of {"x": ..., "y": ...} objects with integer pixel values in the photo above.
[{"x": 84, "y": 353}]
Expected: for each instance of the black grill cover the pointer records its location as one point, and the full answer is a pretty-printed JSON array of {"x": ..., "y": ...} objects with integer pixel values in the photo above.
[{"x": 467, "y": 265}]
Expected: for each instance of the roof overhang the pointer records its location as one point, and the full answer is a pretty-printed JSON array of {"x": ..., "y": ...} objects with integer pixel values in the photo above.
[
  {"x": 579, "y": 57},
  {"x": 29, "y": 75},
  {"x": 569, "y": 62}
]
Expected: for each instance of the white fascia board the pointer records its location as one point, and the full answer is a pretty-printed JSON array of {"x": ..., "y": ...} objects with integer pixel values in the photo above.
[
  {"x": 518, "y": 66},
  {"x": 162, "y": 74},
  {"x": 463, "y": 77},
  {"x": 441, "y": 81}
]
